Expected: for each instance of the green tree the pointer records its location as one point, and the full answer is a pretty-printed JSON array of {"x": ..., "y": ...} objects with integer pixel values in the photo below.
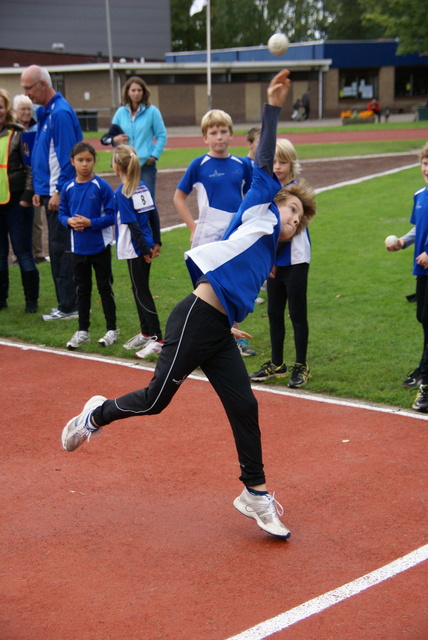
[
  {"x": 346, "y": 21},
  {"x": 245, "y": 23},
  {"x": 406, "y": 21}
]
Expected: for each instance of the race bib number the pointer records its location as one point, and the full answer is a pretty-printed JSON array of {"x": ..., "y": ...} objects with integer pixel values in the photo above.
[{"x": 142, "y": 200}]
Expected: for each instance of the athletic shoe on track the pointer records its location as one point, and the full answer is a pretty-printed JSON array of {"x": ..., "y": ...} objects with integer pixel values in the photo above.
[
  {"x": 138, "y": 341},
  {"x": 265, "y": 510},
  {"x": 413, "y": 379},
  {"x": 80, "y": 428},
  {"x": 110, "y": 338},
  {"x": 299, "y": 375},
  {"x": 56, "y": 314},
  {"x": 79, "y": 338},
  {"x": 268, "y": 371},
  {"x": 152, "y": 348},
  {"x": 421, "y": 400},
  {"x": 244, "y": 348}
]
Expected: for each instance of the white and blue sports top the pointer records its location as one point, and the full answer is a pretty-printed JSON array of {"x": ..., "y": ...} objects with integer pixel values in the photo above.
[
  {"x": 237, "y": 266},
  {"x": 94, "y": 200},
  {"x": 420, "y": 219},
  {"x": 220, "y": 185},
  {"x": 139, "y": 209}
]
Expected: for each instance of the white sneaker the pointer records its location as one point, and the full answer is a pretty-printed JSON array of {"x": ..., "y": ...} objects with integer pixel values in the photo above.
[
  {"x": 56, "y": 314},
  {"x": 110, "y": 338},
  {"x": 152, "y": 348},
  {"x": 80, "y": 337},
  {"x": 260, "y": 300},
  {"x": 137, "y": 342},
  {"x": 80, "y": 428},
  {"x": 264, "y": 510}
]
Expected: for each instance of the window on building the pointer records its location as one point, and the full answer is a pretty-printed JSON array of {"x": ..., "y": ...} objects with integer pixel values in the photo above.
[
  {"x": 58, "y": 82},
  {"x": 358, "y": 84},
  {"x": 411, "y": 81}
]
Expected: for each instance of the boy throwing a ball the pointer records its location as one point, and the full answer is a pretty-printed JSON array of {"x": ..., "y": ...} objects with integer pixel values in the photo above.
[{"x": 227, "y": 277}]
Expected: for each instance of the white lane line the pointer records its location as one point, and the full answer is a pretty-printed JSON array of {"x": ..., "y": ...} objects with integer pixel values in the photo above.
[
  {"x": 316, "y": 605},
  {"x": 364, "y": 178},
  {"x": 302, "y": 394}
]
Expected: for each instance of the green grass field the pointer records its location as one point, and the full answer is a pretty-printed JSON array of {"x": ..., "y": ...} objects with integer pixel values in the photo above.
[{"x": 364, "y": 336}]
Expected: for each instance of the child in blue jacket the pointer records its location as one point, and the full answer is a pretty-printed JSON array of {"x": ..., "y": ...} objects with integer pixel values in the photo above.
[{"x": 87, "y": 208}]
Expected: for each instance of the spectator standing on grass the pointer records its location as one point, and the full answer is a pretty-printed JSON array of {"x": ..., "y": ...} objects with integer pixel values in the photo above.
[
  {"x": 24, "y": 111},
  {"x": 87, "y": 209},
  {"x": 220, "y": 180},
  {"x": 16, "y": 210},
  {"x": 288, "y": 283},
  {"x": 138, "y": 242},
  {"x": 58, "y": 130},
  {"x": 143, "y": 129},
  {"x": 418, "y": 236}
]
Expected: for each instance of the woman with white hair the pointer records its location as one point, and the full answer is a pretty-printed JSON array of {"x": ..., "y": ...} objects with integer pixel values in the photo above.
[{"x": 24, "y": 112}]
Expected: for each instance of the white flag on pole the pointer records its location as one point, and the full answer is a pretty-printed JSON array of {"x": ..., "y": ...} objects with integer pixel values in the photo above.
[{"x": 197, "y": 6}]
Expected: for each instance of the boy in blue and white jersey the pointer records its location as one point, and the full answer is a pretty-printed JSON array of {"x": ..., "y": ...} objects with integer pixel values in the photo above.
[
  {"x": 219, "y": 179},
  {"x": 418, "y": 236},
  {"x": 227, "y": 276}
]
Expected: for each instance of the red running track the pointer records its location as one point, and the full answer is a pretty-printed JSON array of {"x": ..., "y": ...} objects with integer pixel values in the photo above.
[
  {"x": 134, "y": 536},
  {"x": 320, "y": 137}
]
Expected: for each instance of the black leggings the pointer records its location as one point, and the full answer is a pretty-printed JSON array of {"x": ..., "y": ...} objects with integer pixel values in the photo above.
[
  {"x": 422, "y": 316},
  {"x": 290, "y": 284},
  {"x": 199, "y": 335},
  {"x": 82, "y": 269},
  {"x": 139, "y": 272}
]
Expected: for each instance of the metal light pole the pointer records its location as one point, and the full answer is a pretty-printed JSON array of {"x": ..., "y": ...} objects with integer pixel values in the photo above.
[{"x": 110, "y": 58}]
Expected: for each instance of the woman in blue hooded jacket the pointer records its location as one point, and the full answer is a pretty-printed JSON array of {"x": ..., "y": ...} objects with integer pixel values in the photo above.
[{"x": 143, "y": 128}]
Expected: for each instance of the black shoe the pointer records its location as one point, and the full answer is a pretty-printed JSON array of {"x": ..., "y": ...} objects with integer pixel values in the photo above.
[
  {"x": 3, "y": 304},
  {"x": 31, "y": 307},
  {"x": 268, "y": 371},
  {"x": 421, "y": 401},
  {"x": 413, "y": 379},
  {"x": 299, "y": 376}
]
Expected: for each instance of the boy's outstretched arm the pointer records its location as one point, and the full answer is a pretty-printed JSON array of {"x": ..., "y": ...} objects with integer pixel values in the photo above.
[{"x": 276, "y": 95}]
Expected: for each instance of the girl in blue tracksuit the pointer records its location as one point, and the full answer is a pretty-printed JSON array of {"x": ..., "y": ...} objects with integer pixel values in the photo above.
[
  {"x": 138, "y": 242},
  {"x": 227, "y": 276},
  {"x": 87, "y": 208}
]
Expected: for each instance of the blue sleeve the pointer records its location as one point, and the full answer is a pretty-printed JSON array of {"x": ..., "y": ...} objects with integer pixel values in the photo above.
[
  {"x": 155, "y": 225},
  {"x": 109, "y": 205},
  {"x": 265, "y": 152},
  {"x": 190, "y": 177},
  {"x": 248, "y": 176},
  {"x": 64, "y": 210},
  {"x": 160, "y": 133},
  {"x": 65, "y": 135},
  {"x": 125, "y": 206}
]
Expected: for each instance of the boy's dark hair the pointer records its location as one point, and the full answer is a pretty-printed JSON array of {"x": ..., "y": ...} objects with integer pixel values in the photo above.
[
  {"x": 306, "y": 195},
  {"x": 83, "y": 146},
  {"x": 253, "y": 133}
]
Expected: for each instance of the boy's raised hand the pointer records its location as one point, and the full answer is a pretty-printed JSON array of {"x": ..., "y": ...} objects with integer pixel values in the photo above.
[{"x": 278, "y": 88}]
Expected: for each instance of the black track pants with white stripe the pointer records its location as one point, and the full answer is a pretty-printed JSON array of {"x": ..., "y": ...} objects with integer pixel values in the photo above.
[{"x": 199, "y": 335}]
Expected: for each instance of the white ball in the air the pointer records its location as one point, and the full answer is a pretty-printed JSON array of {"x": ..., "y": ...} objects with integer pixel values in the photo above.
[{"x": 278, "y": 44}]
